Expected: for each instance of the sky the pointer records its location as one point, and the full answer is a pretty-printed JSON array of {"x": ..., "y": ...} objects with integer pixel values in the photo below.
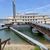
[{"x": 23, "y": 6}]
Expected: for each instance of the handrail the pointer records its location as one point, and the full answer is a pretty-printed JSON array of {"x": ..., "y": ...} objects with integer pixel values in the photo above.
[{"x": 30, "y": 39}]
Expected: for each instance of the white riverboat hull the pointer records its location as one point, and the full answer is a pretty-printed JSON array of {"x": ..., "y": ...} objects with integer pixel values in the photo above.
[{"x": 2, "y": 27}]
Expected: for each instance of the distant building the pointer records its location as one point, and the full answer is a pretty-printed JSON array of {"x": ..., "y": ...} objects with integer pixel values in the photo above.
[{"x": 31, "y": 17}]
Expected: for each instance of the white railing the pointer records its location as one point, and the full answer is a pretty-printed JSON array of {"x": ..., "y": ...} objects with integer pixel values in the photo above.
[{"x": 30, "y": 39}]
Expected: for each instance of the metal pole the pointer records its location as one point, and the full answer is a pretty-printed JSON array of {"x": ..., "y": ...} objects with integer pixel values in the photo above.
[{"x": 0, "y": 44}]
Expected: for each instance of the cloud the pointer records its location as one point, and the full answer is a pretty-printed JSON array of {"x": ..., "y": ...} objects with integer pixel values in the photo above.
[
  {"x": 43, "y": 7},
  {"x": 41, "y": 10}
]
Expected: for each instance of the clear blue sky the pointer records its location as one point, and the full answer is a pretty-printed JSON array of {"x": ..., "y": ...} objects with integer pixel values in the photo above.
[{"x": 40, "y": 6}]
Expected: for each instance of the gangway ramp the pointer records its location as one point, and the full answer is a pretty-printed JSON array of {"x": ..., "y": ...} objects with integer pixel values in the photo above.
[
  {"x": 44, "y": 29},
  {"x": 33, "y": 41}
]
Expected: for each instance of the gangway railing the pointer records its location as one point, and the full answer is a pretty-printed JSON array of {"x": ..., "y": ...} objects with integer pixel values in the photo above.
[
  {"x": 3, "y": 43},
  {"x": 33, "y": 41}
]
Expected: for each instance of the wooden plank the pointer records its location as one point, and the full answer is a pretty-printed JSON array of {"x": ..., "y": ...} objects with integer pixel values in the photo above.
[{"x": 5, "y": 41}]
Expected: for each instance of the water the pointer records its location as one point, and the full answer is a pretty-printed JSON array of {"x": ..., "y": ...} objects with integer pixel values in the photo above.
[
  {"x": 37, "y": 36},
  {"x": 7, "y": 33},
  {"x": 27, "y": 31},
  {"x": 3, "y": 20}
]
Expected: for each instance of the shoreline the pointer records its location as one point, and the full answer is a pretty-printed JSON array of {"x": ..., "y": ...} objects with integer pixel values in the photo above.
[{"x": 19, "y": 47}]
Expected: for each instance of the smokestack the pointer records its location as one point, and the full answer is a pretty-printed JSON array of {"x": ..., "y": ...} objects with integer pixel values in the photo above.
[{"x": 14, "y": 10}]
